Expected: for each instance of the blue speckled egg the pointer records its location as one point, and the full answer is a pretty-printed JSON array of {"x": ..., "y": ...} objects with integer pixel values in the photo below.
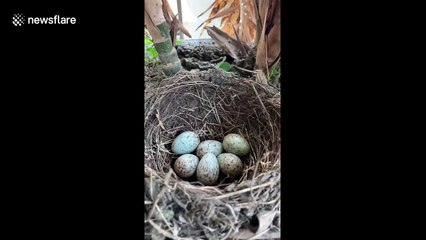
[
  {"x": 236, "y": 144},
  {"x": 186, "y": 165},
  {"x": 230, "y": 164},
  {"x": 208, "y": 169},
  {"x": 209, "y": 146},
  {"x": 185, "y": 143}
]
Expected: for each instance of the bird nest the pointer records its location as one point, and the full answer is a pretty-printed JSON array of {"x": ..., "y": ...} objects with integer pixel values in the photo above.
[{"x": 212, "y": 104}]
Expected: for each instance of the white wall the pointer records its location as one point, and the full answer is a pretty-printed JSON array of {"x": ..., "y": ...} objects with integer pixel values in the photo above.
[{"x": 190, "y": 10}]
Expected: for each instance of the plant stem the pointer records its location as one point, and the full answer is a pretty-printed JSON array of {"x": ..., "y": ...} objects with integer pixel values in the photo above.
[
  {"x": 160, "y": 32},
  {"x": 166, "y": 52}
]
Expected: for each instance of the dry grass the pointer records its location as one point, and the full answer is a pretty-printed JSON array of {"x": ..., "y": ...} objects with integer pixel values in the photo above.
[{"x": 244, "y": 208}]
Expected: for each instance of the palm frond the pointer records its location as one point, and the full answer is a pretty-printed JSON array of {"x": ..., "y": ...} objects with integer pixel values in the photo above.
[{"x": 255, "y": 22}]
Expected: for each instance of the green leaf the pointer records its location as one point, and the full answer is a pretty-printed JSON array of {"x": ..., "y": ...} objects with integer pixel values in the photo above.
[
  {"x": 225, "y": 66},
  {"x": 178, "y": 42},
  {"x": 222, "y": 61},
  {"x": 148, "y": 41},
  {"x": 152, "y": 52}
]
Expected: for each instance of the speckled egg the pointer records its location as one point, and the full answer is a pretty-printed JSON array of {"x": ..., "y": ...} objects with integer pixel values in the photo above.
[
  {"x": 236, "y": 144},
  {"x": 230, "y": 164},
  {"x": 186, "y": 165},
  {"x": 185, "y": 143},
  {"x": 209, "y": 146},
  {"x": 208, "y": 169}
]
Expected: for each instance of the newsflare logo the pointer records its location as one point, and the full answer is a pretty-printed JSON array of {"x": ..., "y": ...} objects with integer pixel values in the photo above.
[{"x": 19, "y": 19}]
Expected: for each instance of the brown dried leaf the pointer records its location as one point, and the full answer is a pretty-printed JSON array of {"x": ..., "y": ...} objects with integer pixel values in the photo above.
[
  {"x": 217, "y": 6},
  {"x": 201, "y": 14},
  {"x": 152, "y": 29},
  {"x": 173, "y": 22},
  {"x": 261, "y": 52},
  {"x": 228, "y": 43},
  {"x": 224, "y": 13},
  {"x": 269, "y": 45},
  {"x": 274, "y": 35}
]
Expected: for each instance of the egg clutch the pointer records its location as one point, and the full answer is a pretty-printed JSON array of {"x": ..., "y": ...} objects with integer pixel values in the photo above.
[{"x": 210, "y": 158}]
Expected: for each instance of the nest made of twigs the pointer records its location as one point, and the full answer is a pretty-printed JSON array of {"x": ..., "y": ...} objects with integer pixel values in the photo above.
[{"x": 212, "y": 104}]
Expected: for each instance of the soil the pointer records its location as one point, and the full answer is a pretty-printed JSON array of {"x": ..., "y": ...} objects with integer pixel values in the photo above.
[
  {"x": 195, "y": 58},
  {"x": 192, "y": 57},
  {"x": 204, "y": 57},
  {"x": 201, "y": 57},
  {"x": 208, "y": 56},
  {"x": 207, "y": 53}
]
